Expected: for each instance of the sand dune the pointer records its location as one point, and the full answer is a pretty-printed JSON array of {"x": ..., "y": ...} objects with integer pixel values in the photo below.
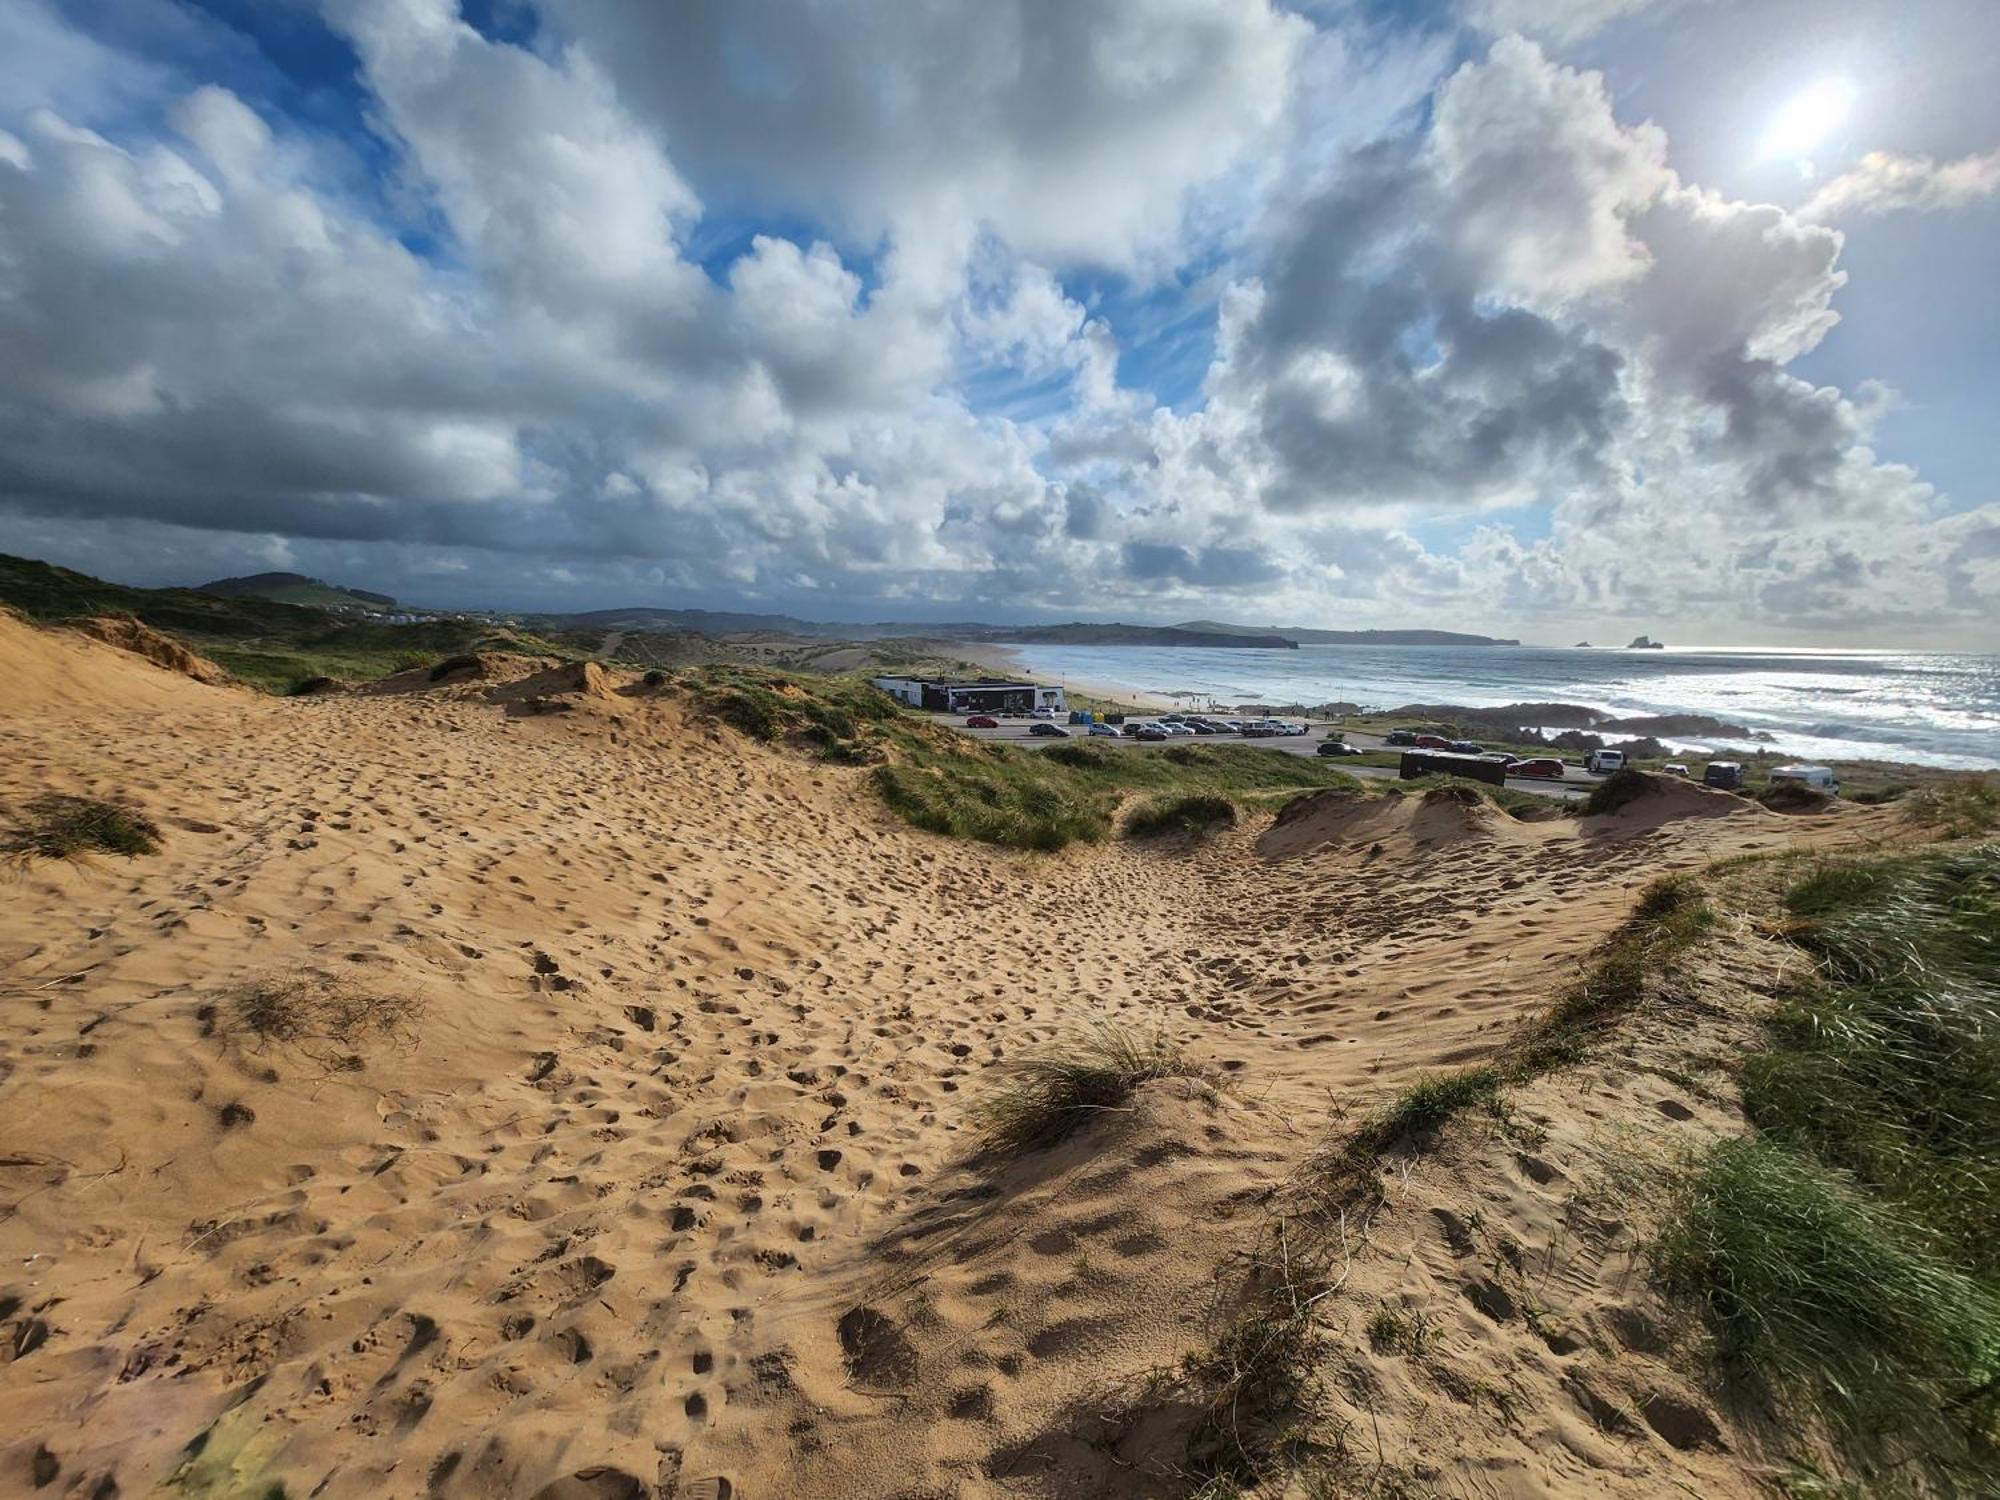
[{"x": 656, "y": 1176}]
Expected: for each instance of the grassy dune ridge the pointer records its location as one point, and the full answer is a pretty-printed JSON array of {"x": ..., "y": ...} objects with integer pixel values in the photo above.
[{"x": 1847, "y": 1258}]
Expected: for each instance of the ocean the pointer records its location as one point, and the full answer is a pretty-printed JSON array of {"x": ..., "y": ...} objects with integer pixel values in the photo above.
[{"x": 1924, "y": 707}]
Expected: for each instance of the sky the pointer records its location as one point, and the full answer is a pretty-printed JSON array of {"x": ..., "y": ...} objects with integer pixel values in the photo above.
[{"x": 1557, "y": 319}]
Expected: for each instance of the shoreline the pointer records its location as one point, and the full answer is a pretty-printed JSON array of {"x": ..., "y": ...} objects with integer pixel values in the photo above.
[
  {"x": 1008, "y": 659},
  {"x": 1012, "y": 658}
]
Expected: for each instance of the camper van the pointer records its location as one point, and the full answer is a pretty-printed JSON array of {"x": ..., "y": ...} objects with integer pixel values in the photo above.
[
  {"x": 1818, "y": 778},
  {"x": 1727, "y": 774},
  {"x": 1604, "y": 762}
]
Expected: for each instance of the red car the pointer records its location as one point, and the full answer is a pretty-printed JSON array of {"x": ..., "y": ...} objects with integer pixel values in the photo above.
[
  {"x": 982, "y": 721},
  {"x": 1552, "y": 769},
  {"x": 1432, "y": 742}
]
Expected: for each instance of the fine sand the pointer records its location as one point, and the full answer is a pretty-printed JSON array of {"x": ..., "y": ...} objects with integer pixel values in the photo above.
[{"x": 646, "y": 1164}]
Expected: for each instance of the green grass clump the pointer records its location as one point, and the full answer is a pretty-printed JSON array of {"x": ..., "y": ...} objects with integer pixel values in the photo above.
[
  {"x": 1967, "y": 808},
  {"x": 1003, "y": 796},
  {"x": 1044, "y": 1099},
  {"x": 56, "y": 827},
  {"x": 1837, "y": 1303},
  {"x": 1889, "y": 1068},
  {"x": 1188, "y": 812},
  {"x": 1850, "y": 1256},
  {"x": 1620, "y": 789}
]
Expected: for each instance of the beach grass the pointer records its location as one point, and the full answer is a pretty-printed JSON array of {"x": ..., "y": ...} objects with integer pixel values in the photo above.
[
  {"x": 1041, "y": 1100},
  {"x": 1848, "y": 1257},
  {"x": 61, "y": 827},
  {"x": 1179, "y": 813}
]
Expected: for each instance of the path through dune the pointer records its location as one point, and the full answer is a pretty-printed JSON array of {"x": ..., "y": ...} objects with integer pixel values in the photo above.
[{"x": 664, "y": 1177}]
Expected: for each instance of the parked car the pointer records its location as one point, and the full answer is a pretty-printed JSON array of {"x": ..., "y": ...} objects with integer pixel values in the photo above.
[
  {"x": 1178, "y": 729},
  {"x": 1604, "y": 762},
  {"x": 1338, "y": 747},
  {"x": 1103, "y": 731},
  {"x": 1727, "y": 774},
  {"x": 1257, "y": 731},
  {"x": 1541, "y": 766},
  {"x": 1819, "y": 778},
  {"x": 1467, "y": 747},
  {"x": 1047, "y": 730},
  {"x": 1151, "y": 732},
  {"x": 1043, "y": 713},
  {"x": 982, "y": 721},
  {"x": 1400, "y": 737},
  {"x": 1297, "y": 727},
  {"x": 1675, "y": 768},
  {"x": 1202, "y": 726},
  {"x": 1431, "y": 742}
]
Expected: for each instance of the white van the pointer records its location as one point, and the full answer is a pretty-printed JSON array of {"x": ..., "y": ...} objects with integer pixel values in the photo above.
[
  {"x": 1819, "y": 778},
  {"x": 1604, "y": 762}
]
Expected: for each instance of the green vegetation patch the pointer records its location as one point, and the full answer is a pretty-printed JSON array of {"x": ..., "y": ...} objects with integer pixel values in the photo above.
[
  {"x": 1838, "y": 1304},
  {"x": 57, "y": 827},
  {"x": 1965, "y": 808},
  {"x": 1186, "y": 813},
  {"x": 1042, "y": 1100},
  {"x": 1849, "y": 1257}
]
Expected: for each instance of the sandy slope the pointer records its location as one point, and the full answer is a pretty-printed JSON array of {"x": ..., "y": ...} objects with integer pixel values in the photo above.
[{"x": 667, "y": 1189}]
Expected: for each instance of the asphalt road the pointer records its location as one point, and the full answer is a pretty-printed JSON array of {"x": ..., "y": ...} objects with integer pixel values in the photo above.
[{"x": 1015, "y": 732}]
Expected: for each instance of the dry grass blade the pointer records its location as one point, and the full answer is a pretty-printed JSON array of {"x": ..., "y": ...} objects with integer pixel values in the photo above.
[
  {"x": 1045, "y": 1098},
  {"x": 57, "y": 827},
  {"x": 303, "y": 1009}
]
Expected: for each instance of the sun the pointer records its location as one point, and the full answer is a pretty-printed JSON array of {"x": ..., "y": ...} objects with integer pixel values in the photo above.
[{"x": 1808, "y": 118}]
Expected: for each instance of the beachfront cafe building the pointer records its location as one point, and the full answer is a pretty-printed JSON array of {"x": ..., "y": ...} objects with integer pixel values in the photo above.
[{"x": 984, "y": 697}]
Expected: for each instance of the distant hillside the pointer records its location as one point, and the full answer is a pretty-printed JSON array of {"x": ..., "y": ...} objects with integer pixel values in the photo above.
[
  {"x": 704, "y": 621},
  {"x": 1083, "y": 634},
  {"x": 1309, "y": 637},
  {"x": 264, "y": 641},
  {"x": 1078, "y": 633},
  {"x": 295, "y": 588}
]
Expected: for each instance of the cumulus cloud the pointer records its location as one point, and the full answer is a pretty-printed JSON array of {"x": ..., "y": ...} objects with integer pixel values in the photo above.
[
  {"x": 1072, "y": 128},
  {"x": 522, "y": 370},
  {"x": 1882, "y": 182}
]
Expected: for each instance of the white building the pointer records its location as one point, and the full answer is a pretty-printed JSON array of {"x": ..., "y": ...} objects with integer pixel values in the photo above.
[{"x": 994, "y": 696}]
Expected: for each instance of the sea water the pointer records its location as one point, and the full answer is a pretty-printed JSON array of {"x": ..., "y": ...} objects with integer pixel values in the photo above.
[{"x": 1924, "y": 707}]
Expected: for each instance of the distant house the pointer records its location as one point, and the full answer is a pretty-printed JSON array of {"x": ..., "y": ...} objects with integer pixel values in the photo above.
[{"x": 993, "y": 696}]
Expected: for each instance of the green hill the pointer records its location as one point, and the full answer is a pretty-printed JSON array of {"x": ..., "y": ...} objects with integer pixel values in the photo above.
[
  {"x": 271, "y": 644},
  {"x": 1310, "y": 637},
  {"x": 295, "y": 588}
]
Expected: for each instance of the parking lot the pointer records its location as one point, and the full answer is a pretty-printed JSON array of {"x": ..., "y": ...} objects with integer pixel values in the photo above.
[{"x": 1015, "y": 731}]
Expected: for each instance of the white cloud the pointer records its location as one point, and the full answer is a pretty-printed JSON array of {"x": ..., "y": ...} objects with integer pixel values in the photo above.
[
  {"x": 1882, "y": 182},
  {"x": 1557, "y": 20},
  {"x": 1424, "y": 317}
]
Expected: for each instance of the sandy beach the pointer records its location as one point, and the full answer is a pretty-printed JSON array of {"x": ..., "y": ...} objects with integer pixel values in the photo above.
[{"x": 620, "y": 1138}]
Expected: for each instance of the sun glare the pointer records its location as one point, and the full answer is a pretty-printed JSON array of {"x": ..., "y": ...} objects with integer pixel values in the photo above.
[{"x": 1807, "y": 120}]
